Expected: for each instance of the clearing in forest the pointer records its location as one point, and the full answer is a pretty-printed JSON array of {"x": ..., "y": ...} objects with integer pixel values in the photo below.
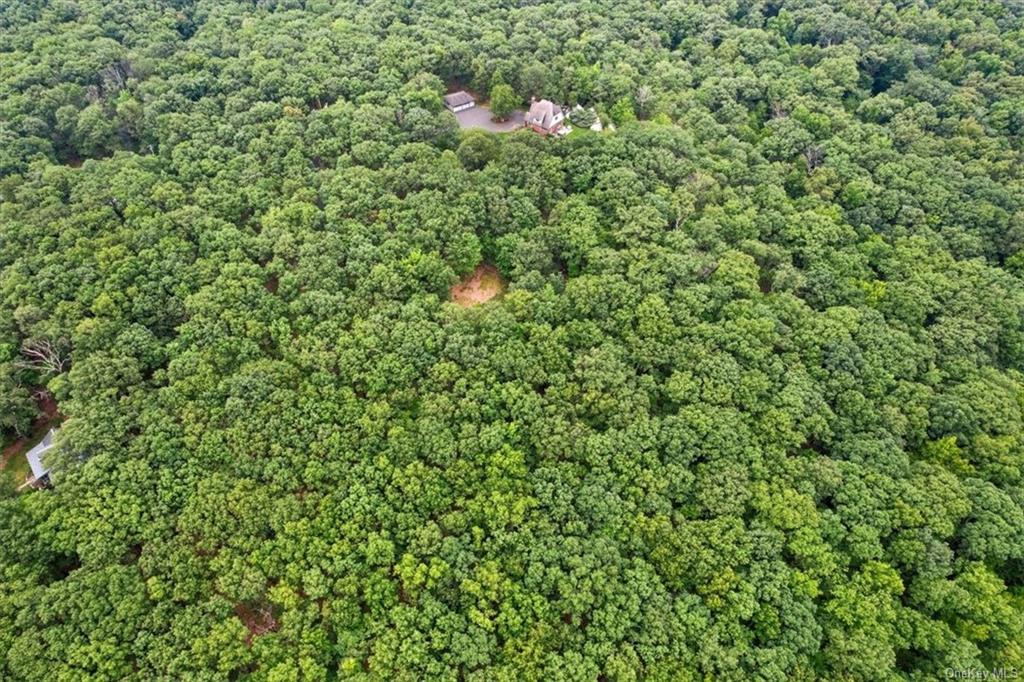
[
  {"x": 480, "y": 116},
  {"x": 483, "y": 284},
  {"x": 12, "y": 458}
]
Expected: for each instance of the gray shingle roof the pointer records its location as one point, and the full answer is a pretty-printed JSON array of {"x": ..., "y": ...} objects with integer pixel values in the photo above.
[
  {"x": 542, "y": 113},
  {"x": 457, "y": 99}
]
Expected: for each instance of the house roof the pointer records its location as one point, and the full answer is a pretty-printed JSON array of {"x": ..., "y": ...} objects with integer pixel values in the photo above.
[
  {"x": 457, "y": 99},
  {"x": 35, "y": 455},
  {"x": 542, "y": 113}
]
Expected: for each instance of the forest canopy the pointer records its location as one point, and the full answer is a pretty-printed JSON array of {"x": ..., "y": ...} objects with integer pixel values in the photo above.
[{"x": 750, "y": 404}]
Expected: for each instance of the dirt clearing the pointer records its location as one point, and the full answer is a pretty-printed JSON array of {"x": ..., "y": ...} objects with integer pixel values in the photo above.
[
  {"x": 482, "y": 285},
  {"x": 258, "y": 621},
  {"x": 12, "y": 461}
]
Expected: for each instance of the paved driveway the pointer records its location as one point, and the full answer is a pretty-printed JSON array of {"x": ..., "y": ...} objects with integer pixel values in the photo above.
[{"x": 480, "y": 117}]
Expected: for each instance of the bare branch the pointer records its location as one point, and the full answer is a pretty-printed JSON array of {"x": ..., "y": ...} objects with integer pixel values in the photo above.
[
  {"x": 813, "y": 156},
  {"x": 42, "y": 355}
]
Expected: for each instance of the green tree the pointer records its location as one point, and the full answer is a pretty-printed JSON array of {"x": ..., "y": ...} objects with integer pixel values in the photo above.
[{"x": 503, "y": 101}]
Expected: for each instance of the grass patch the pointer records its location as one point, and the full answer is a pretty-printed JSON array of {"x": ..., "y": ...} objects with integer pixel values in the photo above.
[{"x": 15, "y": 469}]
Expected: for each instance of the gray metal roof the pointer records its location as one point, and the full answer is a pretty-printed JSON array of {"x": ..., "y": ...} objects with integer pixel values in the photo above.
[
  {"x": 35, "y": 455},
  {"x": 457, "y": 99}
]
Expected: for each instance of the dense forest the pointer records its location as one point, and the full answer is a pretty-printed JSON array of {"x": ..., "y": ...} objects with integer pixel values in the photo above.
[{"x": 751, "y": 407}]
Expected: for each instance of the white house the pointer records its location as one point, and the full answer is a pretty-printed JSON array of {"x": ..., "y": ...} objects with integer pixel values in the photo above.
[{"x": 459, "y": 101}]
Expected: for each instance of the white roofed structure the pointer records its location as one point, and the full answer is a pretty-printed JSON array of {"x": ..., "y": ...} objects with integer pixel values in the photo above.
[
  {"x": 37, "y": 455},
  {"x": 459, "y": 101}
]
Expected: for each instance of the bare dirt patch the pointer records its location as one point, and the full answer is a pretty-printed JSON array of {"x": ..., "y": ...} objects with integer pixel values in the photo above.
[
  {"x": 258, "y": 621},
  {"x": 483, "y": 284}
]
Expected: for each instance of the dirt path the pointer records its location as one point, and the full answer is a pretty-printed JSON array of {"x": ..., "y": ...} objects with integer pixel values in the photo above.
[{"x": 11, "y": 450}]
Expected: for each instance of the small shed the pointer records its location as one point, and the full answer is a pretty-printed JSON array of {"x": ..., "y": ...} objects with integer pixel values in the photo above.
[
  {"x": 459, "y": 101},
  {"x": 36, "y": 456}
]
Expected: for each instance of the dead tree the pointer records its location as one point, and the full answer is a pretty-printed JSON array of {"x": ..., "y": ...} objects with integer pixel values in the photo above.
[
  {"x": 813, "y": 156},
  {"x": 43, "y": 355}
]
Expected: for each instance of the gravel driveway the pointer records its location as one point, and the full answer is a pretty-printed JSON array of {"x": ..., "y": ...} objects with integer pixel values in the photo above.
[{"x": 480, "y": 117}]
